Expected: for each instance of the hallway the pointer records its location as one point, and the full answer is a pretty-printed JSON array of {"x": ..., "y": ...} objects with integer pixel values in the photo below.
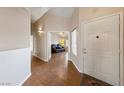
[{"x": 57, "y": 72}]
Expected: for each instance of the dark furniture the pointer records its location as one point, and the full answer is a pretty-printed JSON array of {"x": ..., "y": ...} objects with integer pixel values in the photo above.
[{"x": 56, "y": 48}]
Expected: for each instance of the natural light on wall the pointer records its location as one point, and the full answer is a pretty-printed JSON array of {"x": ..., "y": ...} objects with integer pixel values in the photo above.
[
  {"x": 74, "y": 42},
  {"x": 62, "y": 42}
]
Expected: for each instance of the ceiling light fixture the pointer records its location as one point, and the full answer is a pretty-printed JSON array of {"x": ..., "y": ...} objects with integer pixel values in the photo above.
[{"x": 62, "y": 34}]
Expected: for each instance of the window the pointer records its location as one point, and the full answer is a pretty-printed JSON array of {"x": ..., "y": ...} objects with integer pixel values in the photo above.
[{"x": 74, "y": 42}]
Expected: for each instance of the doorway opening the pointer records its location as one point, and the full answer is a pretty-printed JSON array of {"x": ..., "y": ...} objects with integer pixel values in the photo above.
[{"x": 58, "y": 42}]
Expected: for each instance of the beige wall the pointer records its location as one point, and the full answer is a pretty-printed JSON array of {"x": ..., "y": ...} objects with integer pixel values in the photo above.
[
  {"x": 55, "y": 38},
  {"x": 89, "y": 13},
  {"x": 15, "y": 56},
  {"x": 14, "y": 28},
  {"x": 50, "y": 23},
  {"x": 53, "y": 23},
  {"x": 84, "y": 15},
  {"x": 75, "y": 19},
  {"x": 75, "y": 24}
]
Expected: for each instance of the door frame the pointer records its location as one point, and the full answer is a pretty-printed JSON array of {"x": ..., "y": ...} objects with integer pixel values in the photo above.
[
  {"x": 68, "y": 40},
  {"x": 121, "y": 44}
]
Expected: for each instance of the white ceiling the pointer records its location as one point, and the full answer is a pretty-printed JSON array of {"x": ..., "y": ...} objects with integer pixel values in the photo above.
[
  {"x": 62, "y": 11},
  {"x": 37, "y": 12}
]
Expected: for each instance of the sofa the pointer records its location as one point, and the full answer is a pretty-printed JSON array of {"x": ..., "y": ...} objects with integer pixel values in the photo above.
[{"x": 56, "y": 48}]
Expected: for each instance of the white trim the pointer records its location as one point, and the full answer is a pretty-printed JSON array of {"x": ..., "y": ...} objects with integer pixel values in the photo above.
[
  {"x": 24, "y": 80},
  {"x": 74, "y": 53},
  {"x": 69, "y": 40},
  {"x": 121, "y": 49},
  {"x": 101, "y": 17},
  {"x": 59, "y": 31},
  {"x": 7, "y": 50},
  {"x": 75, "y": 65},
  {"x": 41, "y": 58},
  {"x": 121, "y": 76}
]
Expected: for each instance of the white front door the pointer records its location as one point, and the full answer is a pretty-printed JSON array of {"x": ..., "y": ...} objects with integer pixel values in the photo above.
[{"x": 101, "y": 49}]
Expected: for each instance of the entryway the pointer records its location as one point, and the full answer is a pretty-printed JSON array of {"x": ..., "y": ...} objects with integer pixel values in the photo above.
[{"x": 101, "y": 48}]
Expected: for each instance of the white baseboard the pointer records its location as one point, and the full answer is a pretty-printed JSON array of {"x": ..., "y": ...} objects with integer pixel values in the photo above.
[
  {"x": 24, "y": 80},
  {"x": 41, "y": 58},
  {"x": 75, "y": 65}
]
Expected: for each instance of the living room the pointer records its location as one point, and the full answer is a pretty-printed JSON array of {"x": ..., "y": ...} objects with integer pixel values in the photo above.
[{"x": 59, "y": 42}]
